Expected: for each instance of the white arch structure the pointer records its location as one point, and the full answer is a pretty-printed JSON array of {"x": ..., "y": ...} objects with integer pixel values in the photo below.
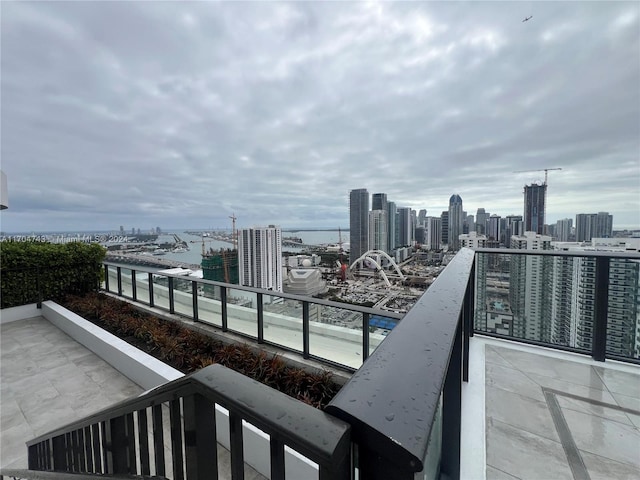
[{"x": 378, "y": 267}]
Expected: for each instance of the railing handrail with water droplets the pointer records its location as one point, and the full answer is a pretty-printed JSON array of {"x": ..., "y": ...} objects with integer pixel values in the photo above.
[{"x": 426, "y": 358}]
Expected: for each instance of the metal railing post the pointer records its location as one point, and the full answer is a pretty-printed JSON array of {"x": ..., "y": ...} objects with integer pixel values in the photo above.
[
  {"x": 199, "y": 422},
  {"x": 365, "y": 336},
  {"x": 600, "y": 309},
  {"x": 106, "y": 277},
  {"x": 134, "y": 287},
  {"x": 59, "y": 453},
  {"x": 118, "y": 444},
  {"x": 223, "y": 304},
  {"x": 305, "y": 329},
  {"x": 119, "y": 276},
  {"x": 467, "y": 323},
  {"x": 260, "y": 309},
  {"x": 194, "y": 299},
  {"x": 151, "y": 302},
  {"x": 452, "y": 411},
  {"x": 171, "y": 301}
]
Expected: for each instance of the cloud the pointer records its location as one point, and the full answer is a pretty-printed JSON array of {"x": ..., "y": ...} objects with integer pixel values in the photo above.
[{"x": 178, "y": 114}]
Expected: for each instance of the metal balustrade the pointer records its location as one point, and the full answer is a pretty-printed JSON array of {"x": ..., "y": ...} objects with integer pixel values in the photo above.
[
  {"x": 602, "y": 306},
  {"x": 130, "y": 438},
  {"x": 252, "y": 313}
]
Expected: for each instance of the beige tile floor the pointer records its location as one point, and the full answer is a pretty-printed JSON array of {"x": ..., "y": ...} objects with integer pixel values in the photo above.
[
  {"x": 557, "y": 416},
  {"x": 47, "y": 380}
]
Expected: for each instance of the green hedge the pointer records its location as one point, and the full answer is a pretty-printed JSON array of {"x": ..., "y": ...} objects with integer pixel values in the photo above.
[{"x": 34, "y": 271}]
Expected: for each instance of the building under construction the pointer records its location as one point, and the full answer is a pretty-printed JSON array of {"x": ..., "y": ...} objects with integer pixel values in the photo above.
[{"x": 220, "y": 265}]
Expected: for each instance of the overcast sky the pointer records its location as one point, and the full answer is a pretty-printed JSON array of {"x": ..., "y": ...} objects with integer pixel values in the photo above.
[{"x": 179, "y": 114}]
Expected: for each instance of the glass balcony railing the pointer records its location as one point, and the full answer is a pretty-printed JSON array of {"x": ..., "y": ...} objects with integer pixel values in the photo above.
[
  {"x": 585, "y": 302},
  {"x": 333, "y": 332}
]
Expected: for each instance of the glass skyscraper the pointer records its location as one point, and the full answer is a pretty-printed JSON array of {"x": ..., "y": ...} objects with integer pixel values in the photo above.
[
  {"x": 358, "y": 223},
  {"x": 534, "y": 208}
]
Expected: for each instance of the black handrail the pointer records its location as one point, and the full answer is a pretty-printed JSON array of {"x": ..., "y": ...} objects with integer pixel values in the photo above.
[
  {"x": 421, "y": 358},
  {"x": 105, "y": 442}
]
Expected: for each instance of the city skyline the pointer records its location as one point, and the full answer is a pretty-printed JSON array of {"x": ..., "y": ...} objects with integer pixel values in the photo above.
[{"x": 275, "y": 111}]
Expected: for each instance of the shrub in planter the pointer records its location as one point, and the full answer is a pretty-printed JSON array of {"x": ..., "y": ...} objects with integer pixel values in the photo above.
[{"x": 188, "y": 350}]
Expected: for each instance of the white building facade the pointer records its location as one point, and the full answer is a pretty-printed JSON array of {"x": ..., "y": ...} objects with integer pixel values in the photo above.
[
  {"x": 472, "y": 240},
  {"x": 530, "y": 288},
  {"x": 378, "y": 234},
  {"x": 260, "y": 257}
]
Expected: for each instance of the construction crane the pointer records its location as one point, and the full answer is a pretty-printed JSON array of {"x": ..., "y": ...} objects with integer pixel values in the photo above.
[
  {"x": 233, "y": 231},
  {"x": 545, "y": 170}
]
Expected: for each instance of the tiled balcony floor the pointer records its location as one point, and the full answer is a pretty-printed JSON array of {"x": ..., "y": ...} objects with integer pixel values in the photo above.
[
  {"x": 47, "y": 380},
  {"x": 551, "y": 415}
]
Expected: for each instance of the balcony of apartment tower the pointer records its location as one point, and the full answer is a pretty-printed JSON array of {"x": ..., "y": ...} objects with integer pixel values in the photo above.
[{"x": 445, "y": 391}]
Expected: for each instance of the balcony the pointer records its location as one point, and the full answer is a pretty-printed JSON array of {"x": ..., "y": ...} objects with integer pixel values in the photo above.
[{"x": 530, "y": 409}]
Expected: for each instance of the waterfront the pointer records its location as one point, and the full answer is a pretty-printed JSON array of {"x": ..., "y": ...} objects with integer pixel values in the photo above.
[{"x": 193, "y": 255}]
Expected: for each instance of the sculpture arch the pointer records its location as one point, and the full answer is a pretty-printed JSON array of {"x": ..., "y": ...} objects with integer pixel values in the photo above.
[{"x": 378, "y": 267}]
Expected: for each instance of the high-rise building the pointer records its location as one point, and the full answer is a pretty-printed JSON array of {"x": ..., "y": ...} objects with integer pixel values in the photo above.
[
  {"x": 405, "y": 227},
  {"x": 444, "y": 223},
  {"x": 422, "y": 214},
  {"x": 513, "y": 226},
  {"x": 593, "y": 225},
  {"x": 534, "y": 208},
  {"x": 433, "y": 234},
  {"x": 379, "y": 201},
  {"x": 456, "y": 221},
  {"x": 220, "y": 266},
  {"x": 563, "y": 229},
  {"x": 584, "y": 227},
  {"x": 472, "y": 240},
  {"x": 469, "y": 224},
  {"x": 420, "y": 234},
  {"x": 358, "y": 223},
  {"x": 260, "y": 257},
  {"x": 482, "y": 218},
  {"x": 530, "y": 288},
  {"x": 378, "y": 234},
  {"x": 392, "y": 218},
  {"x": 493, "y": 228},
  {"x": 604, "y": 225}
]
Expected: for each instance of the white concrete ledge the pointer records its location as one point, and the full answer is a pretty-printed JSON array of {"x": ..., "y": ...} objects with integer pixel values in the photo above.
[
  {"x": 22, "y": 312},
  {"x": 142, "y": 368}
]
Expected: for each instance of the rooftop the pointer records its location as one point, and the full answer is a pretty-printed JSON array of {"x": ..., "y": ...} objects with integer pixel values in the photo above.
[
  {"x": 532, "y": 408},
  {"x": 528, "y": 412}
]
